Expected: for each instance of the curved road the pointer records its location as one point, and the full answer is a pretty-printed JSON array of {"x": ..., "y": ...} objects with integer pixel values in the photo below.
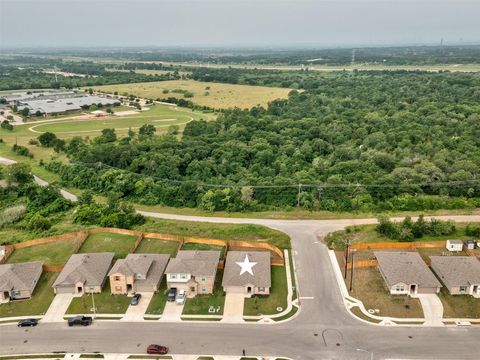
[{"x": 322, "y": 330}]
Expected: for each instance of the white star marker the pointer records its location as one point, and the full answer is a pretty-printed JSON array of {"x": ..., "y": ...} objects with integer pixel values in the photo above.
[{"x": 246, "y": 265}]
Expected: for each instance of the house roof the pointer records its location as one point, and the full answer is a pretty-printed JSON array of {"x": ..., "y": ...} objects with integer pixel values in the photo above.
[
  {"x": 21, "y": 276},
  {"x": 405, "y": 267},
  {"x": 58, "y": 105},
  {"x": 457, "y": 270},
  {"x": 195, "y": 262},
  {"x": 89, "y": 269},
  {"x": 150, "y": 265},
  {"x": 456, "y": 242},
  {"x": 234, "y": 274}
]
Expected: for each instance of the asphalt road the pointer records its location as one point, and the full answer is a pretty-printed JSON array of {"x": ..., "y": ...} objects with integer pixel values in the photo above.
[{"x": 322, "y": 330}]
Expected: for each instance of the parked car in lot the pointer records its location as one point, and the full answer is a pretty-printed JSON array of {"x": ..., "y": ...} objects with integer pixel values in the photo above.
[
  {"x": 27, "y": 322},
  {"x": 157, "y": 349},
  {"x": 135, "y": 299},
  {"x": 180, "y": 299},
  {"x": 80, "y": 320},
  {"x": 172, "y": 294}
]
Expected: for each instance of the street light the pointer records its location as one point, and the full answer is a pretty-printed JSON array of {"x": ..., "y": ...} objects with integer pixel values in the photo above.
[
  {"x": 368, "y": 352},
  {"x": 93, "y": 305}
]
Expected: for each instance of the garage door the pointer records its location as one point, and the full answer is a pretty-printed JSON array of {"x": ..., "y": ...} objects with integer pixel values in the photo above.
[{"x": 65, "y": 290}]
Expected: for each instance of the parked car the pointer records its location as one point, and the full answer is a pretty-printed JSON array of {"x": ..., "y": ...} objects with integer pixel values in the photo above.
[
  {"x": 135, "y": 299},
  {"x": 27, "y": 322},
  {"x": 157, "y": 349},
  {"x": 80, "y": 320},
  {"x": 180, "y": 299},
  {"x": 172, "y": 294}
]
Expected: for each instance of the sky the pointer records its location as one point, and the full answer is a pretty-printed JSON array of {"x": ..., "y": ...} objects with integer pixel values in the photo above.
[{"x": 217, "y": 23}]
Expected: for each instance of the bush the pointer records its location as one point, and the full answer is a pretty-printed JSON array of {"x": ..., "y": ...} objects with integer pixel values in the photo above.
[
  {"x": 472, "y": 230},
  {"x": 22, "y": 150},
  {"x": 12, "y": 214}
]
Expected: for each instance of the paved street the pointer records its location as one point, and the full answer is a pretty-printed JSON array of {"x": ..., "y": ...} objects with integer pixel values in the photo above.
[{"x": 314, "y": 334}]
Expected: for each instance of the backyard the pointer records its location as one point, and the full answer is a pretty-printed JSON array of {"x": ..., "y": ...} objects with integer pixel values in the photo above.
[
  {"x": 155, "y": 246},
  {"x": 55, "y": 253},
  {"x": 278, "y": 296},
  {"x": 38, "y": 304},
  {"x": 105, "y": 303},
  {"x": 109, "y": 242}
]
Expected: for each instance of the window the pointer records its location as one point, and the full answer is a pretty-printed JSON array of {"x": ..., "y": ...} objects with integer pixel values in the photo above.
[
  {"x": 192, "y": 289},
  {"x": 203, "y": 278},
  {"x": 173, "y": 276},
  {"x": 117, "y": 278},
  {"x": 261, "y": 289},
  {"x": 463, "y": 289},
  {"x": 204, "y": 289},
  {"x": 399, "y": 288},
  {"x": 183, "y": 276},
  {"x": 15, "y": 293}
]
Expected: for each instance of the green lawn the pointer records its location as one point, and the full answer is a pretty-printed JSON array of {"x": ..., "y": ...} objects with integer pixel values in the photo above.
[
  {"x": 56, "y": 253},
  {"x": 200, "y": 304},
  {"x": 154, "y": 246},
  {"x": 105, "y": 302},
  {"x": 242, "y": 232},
  {"x": 459, "y": 306},
  {"x": 277, "y": 298},
  {"x": 159, "y": 299},
  {"x": 38, "y": 304},
  {"x": 195, "y": 246},
  {"x": 109, "y": 242}
]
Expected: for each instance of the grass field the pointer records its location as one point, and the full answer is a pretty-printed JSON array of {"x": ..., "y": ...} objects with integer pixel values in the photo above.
[
  {"x": 159, "y": 299},
  {"x": 38, "y": 304},
  {"x": 155, "y": 246},
  {"x": 277, "y": 298},
  {"x": 105, "y": 303},
  {"x": 56, "y": 253},
  {"x": 214, "y": 95},
  {"x": 108, "y": 242},
  {"x": 459, "y": 306}
]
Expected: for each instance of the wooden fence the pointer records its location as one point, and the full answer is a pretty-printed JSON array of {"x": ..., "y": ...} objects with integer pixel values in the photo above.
[
  {"x": 399, "y": 245},
  {"x": 9, "y": 249},
  {"x": 363, "y": 263}
]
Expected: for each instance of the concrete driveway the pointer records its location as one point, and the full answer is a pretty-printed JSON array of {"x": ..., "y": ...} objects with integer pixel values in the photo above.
[
  {"x": 58, "y": 308},
  {"x": 233, "y": 308},
  {"x": 432, "y": 309},
  {"x": 136, "y": 312},
  {"x": 172, "y": 312}
]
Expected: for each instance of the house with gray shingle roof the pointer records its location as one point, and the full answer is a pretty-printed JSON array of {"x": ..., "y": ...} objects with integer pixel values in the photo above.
[
  {"x": 405, "y": 273},
  {"x": 247, "y": 272},
  {"x": 193, "y": 271},
  {"x": 460, "y": 274},
  {"x": 18, "y": 281},
  {"x": 138, "y": 273},
  {"x": 84, "y": 273}
]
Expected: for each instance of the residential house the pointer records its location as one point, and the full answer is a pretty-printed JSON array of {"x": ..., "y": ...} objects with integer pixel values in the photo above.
[
  {"x": 84, "y": 273},
  {"x": 138, "y": 273},
  {"x": 18, "y": 281},
  {"x": 247, "y": 272},
  {"x": 193, "y": 271},
  {"x": 460, "y": 274},
  {"x": 454, "y": 245},
  {"x": 406, "y": 273}
]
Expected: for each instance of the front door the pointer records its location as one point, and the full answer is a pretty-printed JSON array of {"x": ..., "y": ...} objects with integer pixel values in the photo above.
[
  {"x": 6, "y": 295},
  {"x": 79, "y": 290},
  {"x": 249, "y": 290},
  {"x": 413, "y": 289}
]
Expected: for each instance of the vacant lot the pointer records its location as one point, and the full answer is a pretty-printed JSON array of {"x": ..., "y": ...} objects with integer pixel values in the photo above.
[
  {"x": 108, "y": 242},
  {"x": 37, "y": 305},
  {"x": 277, "y": 298},
  {"x": 215, "y": 95},
  {"x": 105, "y": 303},
  {"x": 154, "y": 246},
  {"x": 56, "y": 253}
]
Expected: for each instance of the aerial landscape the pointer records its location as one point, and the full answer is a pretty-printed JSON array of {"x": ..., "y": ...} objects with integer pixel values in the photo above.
[{"x": 283, "y": 180}]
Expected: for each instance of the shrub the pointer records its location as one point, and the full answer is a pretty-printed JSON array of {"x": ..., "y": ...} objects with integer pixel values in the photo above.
[
  {"x": 12, "y": 214},
  {"x": 472, "y": 230}
]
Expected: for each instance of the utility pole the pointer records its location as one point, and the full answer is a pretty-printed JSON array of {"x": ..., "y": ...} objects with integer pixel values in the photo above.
[
  {"x": 351, "y": 270},
  {"x": 298, "y": 196},
  {"x": 93, "y": 304},
  {"x": 346, "y": 256}
]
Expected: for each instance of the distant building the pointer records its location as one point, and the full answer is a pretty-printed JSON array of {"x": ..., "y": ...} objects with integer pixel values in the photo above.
[
  {"x": 405, "y": 273},
  {"x": 454, "y": 245},
  {"x": 63, "y": 105}
]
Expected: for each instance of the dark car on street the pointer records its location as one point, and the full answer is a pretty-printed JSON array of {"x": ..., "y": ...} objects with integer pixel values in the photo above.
[
  {"x": 172, "y": 294},
  {"x": 135, "y": 299},
  {"x": 27, "y": 322},
  {"x": 157, "y": 349},
  {"x": 80, "y": 320}
]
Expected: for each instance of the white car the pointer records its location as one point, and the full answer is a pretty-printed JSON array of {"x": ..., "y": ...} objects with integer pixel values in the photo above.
[{"x": 180, "y": 299}]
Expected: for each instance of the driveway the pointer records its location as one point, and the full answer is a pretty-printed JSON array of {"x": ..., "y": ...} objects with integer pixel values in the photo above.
[
  {"x": 432, "y": 309},
  {"x": 172, "y": 312},
  {"x": 58, "y": 308},
  {"x": 233, "y": 308},
  {"x": 135, "y": 313}
]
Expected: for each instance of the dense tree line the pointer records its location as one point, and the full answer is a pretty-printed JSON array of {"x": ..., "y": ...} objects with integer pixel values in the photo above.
[{"x": 369, "y": 142}]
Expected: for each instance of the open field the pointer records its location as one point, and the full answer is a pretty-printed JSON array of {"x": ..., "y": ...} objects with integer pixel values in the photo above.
[
  {"x": 108, "y": 242},
  {"x": 56, "y": 253},
  {"x": 277, "y": 298},
  {"x": 105, "y": 303},
  {"x": 38, "y": 304},
  {"x": 215, "y": 95}
]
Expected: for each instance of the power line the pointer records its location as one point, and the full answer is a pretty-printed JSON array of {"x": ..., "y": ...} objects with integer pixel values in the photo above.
[{"x": 319, "y": 186}]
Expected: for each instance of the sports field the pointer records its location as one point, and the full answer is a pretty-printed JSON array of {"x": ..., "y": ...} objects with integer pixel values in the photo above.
[{"x": 215, "y": 95}]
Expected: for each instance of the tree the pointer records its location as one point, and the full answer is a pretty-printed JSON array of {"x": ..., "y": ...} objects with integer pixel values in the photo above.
[
  {"x": 25, "y": 112},
  {"x": 6, "y": 125},
  {"x": 19, "y": 173},
  {"x": 147, "y": 130},
  {"x": 47, "y": 139}
]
